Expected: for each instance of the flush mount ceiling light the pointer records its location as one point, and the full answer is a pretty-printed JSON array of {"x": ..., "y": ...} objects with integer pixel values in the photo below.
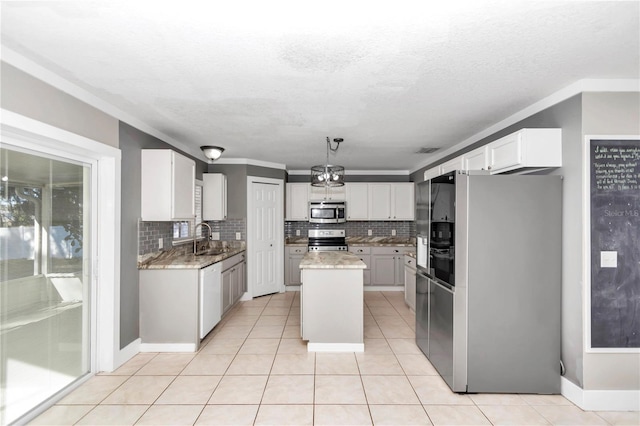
[
  {"x": 327, "y": 174},
  {"x": 212, "y": 152}
]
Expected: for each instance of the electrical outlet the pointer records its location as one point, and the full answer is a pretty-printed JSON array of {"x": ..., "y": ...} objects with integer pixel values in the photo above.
[
  {"x": 238, "y": 235},
  {"x": 393, "y": 232},
  {"x": 215, "y": 236},
  {"x": 160, "y": 243},
  {"x": 297, "y": 232},
  {"x": 369, "y": 232}
]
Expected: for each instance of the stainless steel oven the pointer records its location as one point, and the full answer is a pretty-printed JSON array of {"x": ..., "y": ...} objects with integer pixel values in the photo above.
[{"x": 327, "y": 212}]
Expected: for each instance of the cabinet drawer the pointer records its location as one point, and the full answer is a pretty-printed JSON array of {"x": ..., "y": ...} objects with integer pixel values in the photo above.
[
  {"x": 389, "y": 250},
  {"x": 360, "y": 250},
  {"x": 297, "y": 250},
  {"x": 232, "y": 261},
  {"x": 410, "y": 262}
]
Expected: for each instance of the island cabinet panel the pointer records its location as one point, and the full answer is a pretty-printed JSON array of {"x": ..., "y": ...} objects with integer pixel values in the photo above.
[{"x": 327, "y": 319}]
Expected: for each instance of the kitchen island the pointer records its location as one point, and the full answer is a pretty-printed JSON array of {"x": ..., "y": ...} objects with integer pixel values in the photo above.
[{"x": 332, "y": 298}]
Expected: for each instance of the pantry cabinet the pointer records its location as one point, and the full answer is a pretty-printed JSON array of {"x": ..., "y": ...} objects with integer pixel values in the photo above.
[
  {"x": 167, "y": 186},
  {"x": 297, "y": 205},
  {"x": 214, "y": 203}
]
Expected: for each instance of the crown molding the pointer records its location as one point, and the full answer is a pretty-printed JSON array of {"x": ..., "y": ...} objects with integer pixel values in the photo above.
[
  {"x": 250, "y": 162},
  {"x": 30, "y": 67},
  {"x": 580, "y": 86}
]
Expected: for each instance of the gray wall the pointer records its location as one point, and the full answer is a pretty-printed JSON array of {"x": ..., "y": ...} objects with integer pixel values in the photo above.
[
  {"x": 237, "y": 184},
  {"x": 132, "y": 141},
  {"x": 28, "y": 96},
  {"x": 611, "y": 114}
]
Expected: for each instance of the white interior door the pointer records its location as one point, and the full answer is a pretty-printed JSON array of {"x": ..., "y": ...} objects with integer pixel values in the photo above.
[{"x": 265, "y": 233}]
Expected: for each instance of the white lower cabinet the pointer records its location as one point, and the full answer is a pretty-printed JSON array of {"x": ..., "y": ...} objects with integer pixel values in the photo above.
[
  {"x": 233, "y": 280},
  {"x": 292, "y": 257},
  {"x": 178, "y": 307},
  {"x": 410, "y": 282},
  {"x": 385, "y": 265}
]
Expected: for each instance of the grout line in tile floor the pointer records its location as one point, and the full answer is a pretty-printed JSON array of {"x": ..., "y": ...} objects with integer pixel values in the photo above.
[{"x": 427, "y": 399}]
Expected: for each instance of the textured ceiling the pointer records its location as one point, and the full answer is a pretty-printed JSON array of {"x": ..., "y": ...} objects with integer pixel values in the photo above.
[{"x": 270, "y": 80}]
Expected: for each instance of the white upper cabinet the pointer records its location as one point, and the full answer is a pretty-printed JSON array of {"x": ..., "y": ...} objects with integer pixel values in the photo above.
[
  {"x": 451, "y": 165},
  {"x": 214, "y": 205},
  {"x": 321, "y": 193},
  {"x": 526, "y": 148},
  {"x": 380, "y": 201},
  {"x": 391, "y": 201},
  {"x": 168, "y": 186},
  {"x": 432, "y": 173},
  {"x": 476, "y": 159},
  {"x": 297, "y": 205},
  {"x": 403, "y": 197},
  {"x": 357, "y": 201}
]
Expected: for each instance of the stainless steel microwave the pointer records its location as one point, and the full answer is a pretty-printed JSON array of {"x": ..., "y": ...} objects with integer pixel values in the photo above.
[{"x": 327, "y": 212}]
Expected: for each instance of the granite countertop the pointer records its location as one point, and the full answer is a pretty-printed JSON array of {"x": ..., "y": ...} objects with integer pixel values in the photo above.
[
  {"x": 296, "y": 241},
  {"x": 381, "y": 241},
  {"x": 183, "y": 258},
  {"x": 411, "y": 254},
  {"x": 360, "y": 241},
  {"x": 331, "y": 260}
]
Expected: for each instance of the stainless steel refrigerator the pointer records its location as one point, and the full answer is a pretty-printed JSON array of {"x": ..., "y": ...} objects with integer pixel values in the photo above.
[{"x": 488, "y": 286}]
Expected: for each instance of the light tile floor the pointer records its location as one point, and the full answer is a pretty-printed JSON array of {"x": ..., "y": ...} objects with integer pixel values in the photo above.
[{"x": 253, "y": 369}]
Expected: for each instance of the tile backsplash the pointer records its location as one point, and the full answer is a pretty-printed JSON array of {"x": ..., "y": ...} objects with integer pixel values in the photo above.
[
  {"x": 356, "y": 228},
  {"x": 150, "y": 232}
]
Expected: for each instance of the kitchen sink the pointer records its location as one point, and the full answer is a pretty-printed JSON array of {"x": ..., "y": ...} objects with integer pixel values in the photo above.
[{"x": 211, "y": 252}]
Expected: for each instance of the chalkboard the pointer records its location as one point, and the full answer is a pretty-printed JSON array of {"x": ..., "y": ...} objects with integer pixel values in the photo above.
[{"x": 615, "y": 243}]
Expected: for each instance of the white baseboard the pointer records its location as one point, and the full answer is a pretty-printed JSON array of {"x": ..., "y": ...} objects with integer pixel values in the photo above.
[
  {"x": 600, "y": 400},
  {"x": 292, "y": 288},
  {"x": 168, "y": 347},
  {"x": 245, "y": 296},
  {"x": 335, "y": 347},
  {"x": 126, "y": 353}
]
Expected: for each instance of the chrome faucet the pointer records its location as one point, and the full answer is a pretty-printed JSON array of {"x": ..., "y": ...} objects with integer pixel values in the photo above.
[{"x": 195, "y": 238}]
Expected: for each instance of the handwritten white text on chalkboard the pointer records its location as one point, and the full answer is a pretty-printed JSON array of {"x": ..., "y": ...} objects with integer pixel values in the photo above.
[{"x": 616, "y": 168}]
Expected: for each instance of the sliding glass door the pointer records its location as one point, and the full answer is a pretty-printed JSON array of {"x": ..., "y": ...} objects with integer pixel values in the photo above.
[{"x": 45, "y": 280}]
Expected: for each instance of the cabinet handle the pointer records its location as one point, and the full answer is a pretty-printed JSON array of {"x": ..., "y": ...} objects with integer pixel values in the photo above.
[
  {"x": 396, "y": 251},
  {"x": 489, "y": 168},
  {"x": 408, "y": 261}
]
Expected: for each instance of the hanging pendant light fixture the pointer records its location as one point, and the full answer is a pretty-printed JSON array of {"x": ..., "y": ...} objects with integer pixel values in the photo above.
[{"x": 327, "y": 174}]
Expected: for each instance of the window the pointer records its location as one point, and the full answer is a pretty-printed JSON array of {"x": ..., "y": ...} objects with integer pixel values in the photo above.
[{"x": 184, "y": 229}]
